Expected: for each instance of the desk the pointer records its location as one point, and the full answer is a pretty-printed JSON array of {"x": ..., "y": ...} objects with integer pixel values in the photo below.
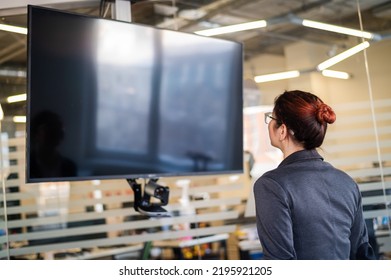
[{"x": 177, "y": 245}]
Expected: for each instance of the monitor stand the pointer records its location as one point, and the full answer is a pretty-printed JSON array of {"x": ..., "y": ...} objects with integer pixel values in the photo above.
[{"x": 142, "y": 200}]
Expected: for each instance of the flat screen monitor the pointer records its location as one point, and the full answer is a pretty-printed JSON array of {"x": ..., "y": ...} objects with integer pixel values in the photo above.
[{"x": 110, "y": 99}]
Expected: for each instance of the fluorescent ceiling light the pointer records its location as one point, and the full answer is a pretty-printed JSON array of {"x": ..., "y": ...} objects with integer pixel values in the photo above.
[
  {"x": 336, "y": 74},
  {"x": 19, "y": 119},
  {"x": 304, "y": 22},
  {"x": 11, "y": 28},
  {"x": 338, "y": 29},
  {"x": 276, "y": 76},
  {"x": 342, "y": 56},
  {"x": 233, "y": 28},
  {"x": 17, "y": 98}
]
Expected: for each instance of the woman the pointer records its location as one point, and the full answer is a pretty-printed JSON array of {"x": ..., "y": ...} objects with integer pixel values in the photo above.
[{"x": 306, "y": 208}]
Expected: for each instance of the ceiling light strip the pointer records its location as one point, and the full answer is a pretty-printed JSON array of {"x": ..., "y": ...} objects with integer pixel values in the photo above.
[
  {"x": 338, "y": 29},
  {"x": 17, "y": 98},
  {"x": 15, "y": 29},
  {"x": 342, "y": 56},
  {"x": 233, "y": 28},
  {"x": 336, "y": 74},
  {"x": 19, "y": 119},
  {"x": 276, "y": 76}
]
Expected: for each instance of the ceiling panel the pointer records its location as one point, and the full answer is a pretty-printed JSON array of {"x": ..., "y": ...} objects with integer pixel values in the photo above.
[{"x": 193, "y": 15}]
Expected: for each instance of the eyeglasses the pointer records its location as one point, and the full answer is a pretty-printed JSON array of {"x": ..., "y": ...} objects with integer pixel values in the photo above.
[{"x": 269, "y": 117}]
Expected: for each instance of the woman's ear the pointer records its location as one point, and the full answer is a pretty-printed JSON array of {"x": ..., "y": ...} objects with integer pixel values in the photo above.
[{"x": 282, "y": 132}]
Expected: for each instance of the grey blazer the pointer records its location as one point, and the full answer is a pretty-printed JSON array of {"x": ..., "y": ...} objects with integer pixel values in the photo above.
[{"x": 307, "y": 209}]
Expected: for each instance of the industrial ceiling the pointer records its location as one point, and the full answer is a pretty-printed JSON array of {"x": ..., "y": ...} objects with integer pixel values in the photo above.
[{"x": 194, "y": 15}]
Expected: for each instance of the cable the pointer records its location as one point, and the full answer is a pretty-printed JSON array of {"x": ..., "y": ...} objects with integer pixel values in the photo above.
[{"x": 107, "y": 9}]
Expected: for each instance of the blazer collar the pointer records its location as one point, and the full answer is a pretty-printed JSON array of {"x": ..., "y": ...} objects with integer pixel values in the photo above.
[{"x": 300, "y": 156}]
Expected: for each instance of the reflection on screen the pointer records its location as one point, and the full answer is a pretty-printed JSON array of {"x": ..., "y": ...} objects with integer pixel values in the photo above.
[
  {"x": 124, "y": 87},
  {"x": 135, "y": 101}
]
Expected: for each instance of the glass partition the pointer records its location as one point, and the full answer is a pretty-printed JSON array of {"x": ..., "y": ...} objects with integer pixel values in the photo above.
[{"x": 95, "y": 219}]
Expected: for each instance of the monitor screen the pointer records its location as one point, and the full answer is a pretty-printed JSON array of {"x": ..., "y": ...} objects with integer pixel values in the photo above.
[{"x": 110, "y": 99}]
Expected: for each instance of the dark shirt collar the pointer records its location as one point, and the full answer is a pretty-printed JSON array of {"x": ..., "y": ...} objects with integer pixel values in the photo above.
[{"x": 300, "y": 156}]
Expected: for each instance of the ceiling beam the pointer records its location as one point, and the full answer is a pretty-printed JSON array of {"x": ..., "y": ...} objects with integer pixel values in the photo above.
[{"x": 18, "y": 7}]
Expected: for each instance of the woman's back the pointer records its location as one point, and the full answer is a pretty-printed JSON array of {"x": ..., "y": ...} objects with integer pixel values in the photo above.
[{"x": 321, "y": 203}]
